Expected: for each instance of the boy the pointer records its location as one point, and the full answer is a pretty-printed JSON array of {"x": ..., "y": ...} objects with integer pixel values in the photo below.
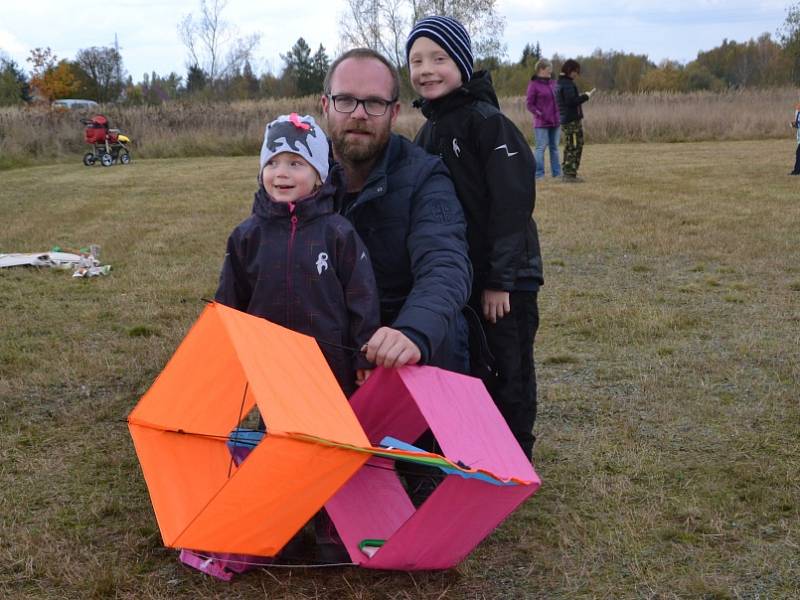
[
  {"x": 297, "y": 263},
  {"x": 569, "y": 107},
  {"x": 493, "y": 171}
]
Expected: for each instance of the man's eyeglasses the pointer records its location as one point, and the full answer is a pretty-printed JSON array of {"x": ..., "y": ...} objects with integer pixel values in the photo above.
[{"x": 375, "y": 107}]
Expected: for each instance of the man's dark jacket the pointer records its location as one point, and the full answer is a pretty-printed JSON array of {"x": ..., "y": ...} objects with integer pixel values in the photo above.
[
  {"x": 409, "y": 217},
  {"x": 569, "y": 100},
  {"x": 493, "y": 170},
  {"x": 307, "y": 270}
]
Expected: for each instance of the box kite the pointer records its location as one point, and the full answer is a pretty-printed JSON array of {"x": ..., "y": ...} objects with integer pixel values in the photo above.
[{"x": 318, "y": 449}]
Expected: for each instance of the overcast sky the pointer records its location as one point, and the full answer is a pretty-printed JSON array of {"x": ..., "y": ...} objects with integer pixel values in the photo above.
[{"x": 148, "y": 39}]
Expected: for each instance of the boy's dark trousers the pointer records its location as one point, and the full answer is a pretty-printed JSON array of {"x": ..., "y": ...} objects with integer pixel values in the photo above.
[
  {"x": 796, "y": 170},
  {"x": 512, "y": 384},
  {"x": 572, "y": 133}
]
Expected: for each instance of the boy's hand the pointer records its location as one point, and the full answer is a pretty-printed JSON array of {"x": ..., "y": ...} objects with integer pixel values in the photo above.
[
  {"x": 496, "y": 305},
  {"x": 390, "y": 348},
  {"x": 362, "y": 375}
]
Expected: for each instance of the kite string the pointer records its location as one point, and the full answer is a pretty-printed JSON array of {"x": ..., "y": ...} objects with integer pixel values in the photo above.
[
  {"x": 352, "y": 349},
  {"x": 271, "y": 564}
]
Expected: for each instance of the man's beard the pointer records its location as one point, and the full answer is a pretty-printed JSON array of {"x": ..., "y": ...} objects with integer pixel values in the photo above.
[{"x": 357, "y": 150}]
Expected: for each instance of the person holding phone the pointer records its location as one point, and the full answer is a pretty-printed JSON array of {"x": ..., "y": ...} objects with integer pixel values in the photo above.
[{"x": 570, "y": 102}]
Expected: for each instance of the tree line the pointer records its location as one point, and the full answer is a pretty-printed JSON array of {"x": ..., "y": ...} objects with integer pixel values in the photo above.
[
  {"x": 757, "y": 63},
  {"x": 220, "y": 60}
]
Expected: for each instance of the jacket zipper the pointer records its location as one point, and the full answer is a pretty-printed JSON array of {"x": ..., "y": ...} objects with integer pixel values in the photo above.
[{"x": 289, "y": 252}]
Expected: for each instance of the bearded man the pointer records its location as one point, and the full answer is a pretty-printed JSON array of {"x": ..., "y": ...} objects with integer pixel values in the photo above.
[{"x": 404, "y": 206}]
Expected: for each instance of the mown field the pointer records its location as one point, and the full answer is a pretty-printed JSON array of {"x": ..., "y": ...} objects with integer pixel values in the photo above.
[{"x": 668, "y": 361}]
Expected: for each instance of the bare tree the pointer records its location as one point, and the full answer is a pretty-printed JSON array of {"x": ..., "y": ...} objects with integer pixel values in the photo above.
[
  {"x": 384, "y": 24},
  {"x": 368, "y": 23},
  {"x": 214, "y": 44},
  {"x": 789, "y": 35},
  {"x": 480, "y": 17},
  {"x": 103, "y": 72}
]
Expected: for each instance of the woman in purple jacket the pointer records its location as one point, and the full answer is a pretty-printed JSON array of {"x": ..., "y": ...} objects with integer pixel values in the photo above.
[{"x": 542, "y": 103}]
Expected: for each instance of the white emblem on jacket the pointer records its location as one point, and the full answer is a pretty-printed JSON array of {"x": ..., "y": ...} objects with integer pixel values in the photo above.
[
  {"x": 456, "y": 149},
  {"x": 322, "y": 262},
  {"x": 505, "y": 147}
]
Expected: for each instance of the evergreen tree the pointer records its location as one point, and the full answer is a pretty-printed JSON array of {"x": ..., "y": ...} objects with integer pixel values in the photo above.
[
  {"x": 196, "y": 80},
  {"x": 250, "y": 80},
  {"x": 14, "y": 86},
  {"x": 321, "y": 62},
  {"x": 302, "y": 69},
  {"x": 530, "y": 54}
]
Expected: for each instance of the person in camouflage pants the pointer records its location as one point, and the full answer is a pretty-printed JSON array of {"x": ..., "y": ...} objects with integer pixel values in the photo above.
[
  {"x": 573, "y": 148},
  {"x": 571, "y": 115}
]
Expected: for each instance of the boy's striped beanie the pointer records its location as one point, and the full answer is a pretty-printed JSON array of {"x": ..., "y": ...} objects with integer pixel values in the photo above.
[{"x": 451, "y": 36}]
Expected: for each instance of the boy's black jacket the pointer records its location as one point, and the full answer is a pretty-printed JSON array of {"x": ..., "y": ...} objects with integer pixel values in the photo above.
[{"x": 493, "y": 170}]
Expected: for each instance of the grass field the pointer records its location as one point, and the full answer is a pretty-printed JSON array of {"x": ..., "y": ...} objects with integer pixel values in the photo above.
[{"x": 668, "y": 361}]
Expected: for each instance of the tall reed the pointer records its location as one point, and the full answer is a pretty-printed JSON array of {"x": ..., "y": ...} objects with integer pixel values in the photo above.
[
  {"x": 29, "y": 135},
  {"x": 673, "y": 117}
]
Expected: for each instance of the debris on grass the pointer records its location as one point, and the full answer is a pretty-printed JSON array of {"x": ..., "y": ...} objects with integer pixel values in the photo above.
[{"x": 83, "y": 263}]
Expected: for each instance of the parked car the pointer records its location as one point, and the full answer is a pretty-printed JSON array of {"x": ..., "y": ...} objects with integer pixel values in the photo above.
[{"x": 74, "y": 104}]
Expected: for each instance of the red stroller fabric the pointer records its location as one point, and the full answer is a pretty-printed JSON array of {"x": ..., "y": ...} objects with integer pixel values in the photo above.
[{"x": 96, "y": 131}]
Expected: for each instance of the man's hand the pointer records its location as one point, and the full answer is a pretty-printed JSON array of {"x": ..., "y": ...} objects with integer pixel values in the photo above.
[
  {"x": 390, "y": 348},
  {"x": 496, "y": 305}
]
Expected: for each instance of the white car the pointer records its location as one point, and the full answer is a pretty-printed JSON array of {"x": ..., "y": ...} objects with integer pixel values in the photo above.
[{"x": 74, "y": 104}]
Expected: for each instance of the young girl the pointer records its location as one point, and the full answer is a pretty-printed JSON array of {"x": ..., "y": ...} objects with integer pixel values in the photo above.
[
  {"x": 294, "y": 261},
  {"x": 493, "y": 171},
  {"x": 297, "y": 263}
]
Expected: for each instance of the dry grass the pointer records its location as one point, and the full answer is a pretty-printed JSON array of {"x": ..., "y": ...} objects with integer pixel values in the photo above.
[
  {"x": 669, "y": 364},
  {"x": 184, "y": 130},
  {"x": 670, "y": 117}
]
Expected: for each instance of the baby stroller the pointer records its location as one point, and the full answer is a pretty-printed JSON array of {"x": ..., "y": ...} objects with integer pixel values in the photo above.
[{"x": 108, "y": 145}]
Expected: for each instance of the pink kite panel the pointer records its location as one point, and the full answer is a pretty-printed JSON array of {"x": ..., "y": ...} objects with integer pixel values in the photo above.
[
  {"x": 466, "y": 422},
  {"x": 449, "y": 524},
  {"x": 372, "y": 505},
  {"x": 403, "y": 403}
]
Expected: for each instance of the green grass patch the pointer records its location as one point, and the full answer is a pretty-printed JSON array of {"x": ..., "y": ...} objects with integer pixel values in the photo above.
[
  {"x": 667, "y": 359},
  {"x": 142, "y": 331}
]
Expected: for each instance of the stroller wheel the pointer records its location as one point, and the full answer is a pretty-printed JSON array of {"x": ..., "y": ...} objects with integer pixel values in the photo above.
[
  {"x": 107, "y": 160},
  {"x": 124, "y": 157},
  {"x": 88, "y": 159}
]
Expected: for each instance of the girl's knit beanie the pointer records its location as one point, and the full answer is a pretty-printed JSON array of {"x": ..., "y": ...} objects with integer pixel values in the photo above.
[{"x": 298, "y": 135}]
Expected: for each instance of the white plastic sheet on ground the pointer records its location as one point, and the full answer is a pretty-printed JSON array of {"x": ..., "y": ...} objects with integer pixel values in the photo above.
[{"x": 83, "y": 265}]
